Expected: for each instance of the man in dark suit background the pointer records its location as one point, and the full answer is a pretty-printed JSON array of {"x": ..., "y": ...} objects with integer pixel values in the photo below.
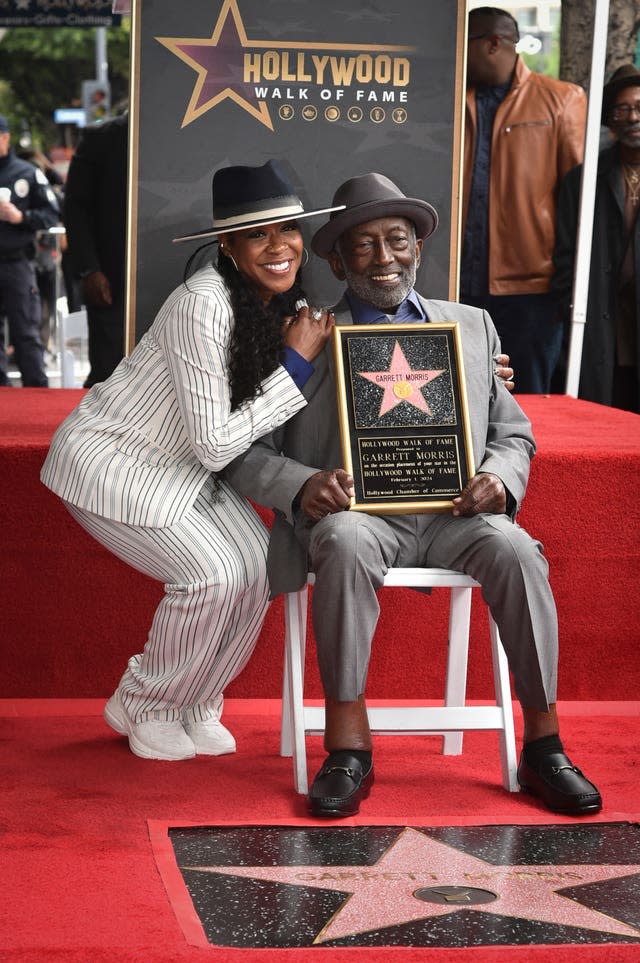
[
  {"x": 375, "y": 245},
  {"x": 95, "y": 217}
]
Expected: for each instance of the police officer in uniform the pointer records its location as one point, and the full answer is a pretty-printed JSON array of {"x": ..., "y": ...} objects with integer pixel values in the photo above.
[{"x": 27, "y": 205}]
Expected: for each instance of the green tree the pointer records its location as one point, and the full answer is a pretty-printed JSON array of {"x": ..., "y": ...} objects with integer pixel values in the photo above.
[{"x": 42, "y": 68}]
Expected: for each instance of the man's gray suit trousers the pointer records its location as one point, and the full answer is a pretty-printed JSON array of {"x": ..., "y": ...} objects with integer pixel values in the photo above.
[{"x": 350, "y": 553}]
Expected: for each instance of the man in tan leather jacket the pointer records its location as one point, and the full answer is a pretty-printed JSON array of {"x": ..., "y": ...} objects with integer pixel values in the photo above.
[{"x": 523, "y": 132}]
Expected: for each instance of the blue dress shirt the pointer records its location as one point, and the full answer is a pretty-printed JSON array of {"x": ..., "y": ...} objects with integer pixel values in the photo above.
[
  {"x": 410, "y": 311},
  {"x": 298, "y": 367}
]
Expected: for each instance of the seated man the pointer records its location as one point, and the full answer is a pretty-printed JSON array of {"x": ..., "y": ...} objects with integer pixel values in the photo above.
[{"x": 375, "y": 245}]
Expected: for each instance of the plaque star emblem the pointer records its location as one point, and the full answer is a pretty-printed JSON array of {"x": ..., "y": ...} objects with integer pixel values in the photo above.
[
  {"x": 401, "y": 383},
  {"x": 218, "y": 62},
  {"x": 420, "y": 878}
]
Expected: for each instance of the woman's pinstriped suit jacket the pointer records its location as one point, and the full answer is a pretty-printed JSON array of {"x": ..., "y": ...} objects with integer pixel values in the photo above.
[{"x": 141, "y": 445}]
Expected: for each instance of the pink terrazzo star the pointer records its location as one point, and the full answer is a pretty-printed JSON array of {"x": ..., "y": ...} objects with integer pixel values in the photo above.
[
  {"x": 382, "y": 894},
  {"x": 401, "y": 383}
]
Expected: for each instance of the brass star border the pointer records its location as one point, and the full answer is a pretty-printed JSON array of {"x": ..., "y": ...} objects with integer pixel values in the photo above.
[{"x": 230, "y": 26}]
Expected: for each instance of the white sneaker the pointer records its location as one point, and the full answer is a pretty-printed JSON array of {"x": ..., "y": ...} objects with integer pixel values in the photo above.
[
  {"x": 149, "y": 739},
  {"x": 210, "y": 738}
]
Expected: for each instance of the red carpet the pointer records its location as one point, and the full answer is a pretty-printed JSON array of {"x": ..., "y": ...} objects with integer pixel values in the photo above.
[
  {"x": 63, "y": 596},
  {"x": 82, "y": 884}
]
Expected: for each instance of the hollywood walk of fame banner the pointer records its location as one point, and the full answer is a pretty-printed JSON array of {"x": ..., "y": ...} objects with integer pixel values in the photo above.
[
  {"x": 331, "y": 90},
  {"x": 404, "y": 420}
]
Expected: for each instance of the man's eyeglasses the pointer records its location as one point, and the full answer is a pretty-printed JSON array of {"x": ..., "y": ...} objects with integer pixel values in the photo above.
[
  {"x": 623, "y": 111},
  {"x": 482, "y": 36}
]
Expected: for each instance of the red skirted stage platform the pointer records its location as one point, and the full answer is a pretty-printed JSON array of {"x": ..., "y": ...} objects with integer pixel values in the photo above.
[{"x": 72, "y": 614}]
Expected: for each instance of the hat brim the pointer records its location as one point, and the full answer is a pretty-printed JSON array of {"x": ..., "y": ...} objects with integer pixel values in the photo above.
[
  {"x": 214, "y": 231},
  {"x": 422, "y": 214}
]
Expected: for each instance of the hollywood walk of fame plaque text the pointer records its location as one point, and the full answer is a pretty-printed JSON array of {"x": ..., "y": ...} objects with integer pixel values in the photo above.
[{"x": 404, "y": 422}]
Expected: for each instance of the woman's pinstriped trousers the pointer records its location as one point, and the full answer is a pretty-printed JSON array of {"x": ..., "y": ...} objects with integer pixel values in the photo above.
[{"x": 213, "y": 564}]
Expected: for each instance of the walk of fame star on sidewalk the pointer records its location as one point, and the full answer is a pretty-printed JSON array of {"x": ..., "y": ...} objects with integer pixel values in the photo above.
[{"x": 384, "y": 894}]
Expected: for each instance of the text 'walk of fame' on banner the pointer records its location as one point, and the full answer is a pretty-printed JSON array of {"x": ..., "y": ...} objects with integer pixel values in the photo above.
[{"x": 332, "y": 90}]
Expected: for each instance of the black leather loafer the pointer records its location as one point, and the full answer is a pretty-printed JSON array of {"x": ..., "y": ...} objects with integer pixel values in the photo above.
[
  {"x": 560, "y": 785},
  {"x": 340, "y": 786}
]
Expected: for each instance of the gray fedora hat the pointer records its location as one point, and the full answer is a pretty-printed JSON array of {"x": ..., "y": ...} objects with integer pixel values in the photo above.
[
  {"x": 245, "y": 197},
  {"x": 368, "y": 197},
  {"x": 627, "y": 75}
]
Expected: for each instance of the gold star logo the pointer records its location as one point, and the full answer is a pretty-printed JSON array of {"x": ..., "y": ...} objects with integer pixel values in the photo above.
[{"x": 218, "y": 63}]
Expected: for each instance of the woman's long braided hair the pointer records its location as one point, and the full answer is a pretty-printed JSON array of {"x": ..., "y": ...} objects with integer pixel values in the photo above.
[{"x": 256, "y": 339}]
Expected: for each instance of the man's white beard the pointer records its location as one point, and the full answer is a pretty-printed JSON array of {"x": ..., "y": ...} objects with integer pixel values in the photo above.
[{"x": 380, "y": 297}]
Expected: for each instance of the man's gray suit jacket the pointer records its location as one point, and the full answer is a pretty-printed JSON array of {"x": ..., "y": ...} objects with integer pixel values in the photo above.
[{"x": 276, "y": 466}]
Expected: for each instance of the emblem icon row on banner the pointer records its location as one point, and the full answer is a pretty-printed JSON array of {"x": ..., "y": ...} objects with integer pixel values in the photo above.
[{"x": 377, "y": 115}]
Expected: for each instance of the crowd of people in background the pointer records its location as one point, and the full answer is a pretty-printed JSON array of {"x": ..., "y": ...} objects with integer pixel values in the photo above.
[
  {"x": 71, "y": 244},
  {"x": 524, "y": 131},
  {"x": 28, "y": 206},
  {"x": 523, "y": 152}
]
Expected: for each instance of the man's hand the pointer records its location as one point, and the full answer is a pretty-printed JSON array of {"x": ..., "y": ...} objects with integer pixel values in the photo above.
[
  {"x": 482, "y": 493},
  {"x": 502, "y": 370},
  {"x": 97, "y": 290},
  {"x": 10, "y": 213},
  {"x": 326, "y": 492}
]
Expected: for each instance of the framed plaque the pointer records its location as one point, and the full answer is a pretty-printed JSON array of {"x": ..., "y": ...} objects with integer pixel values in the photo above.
[{"x": 404, "y": 422}]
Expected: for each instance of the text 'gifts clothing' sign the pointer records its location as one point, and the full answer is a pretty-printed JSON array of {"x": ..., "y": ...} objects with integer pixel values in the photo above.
[{"x": 58, "y": 13}]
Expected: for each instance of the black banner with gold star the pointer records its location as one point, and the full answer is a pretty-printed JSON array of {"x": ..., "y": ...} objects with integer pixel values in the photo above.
[{"x": 332, "y": 90}]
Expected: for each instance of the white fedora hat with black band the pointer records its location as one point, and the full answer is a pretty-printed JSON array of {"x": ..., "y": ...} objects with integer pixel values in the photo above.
[
  {"x": 246, "y": 197},
  {"x": 365, "y": 198}
]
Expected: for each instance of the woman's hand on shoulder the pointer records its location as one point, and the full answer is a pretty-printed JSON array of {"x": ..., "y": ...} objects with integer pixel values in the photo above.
[{"x": 308, "y": 331}]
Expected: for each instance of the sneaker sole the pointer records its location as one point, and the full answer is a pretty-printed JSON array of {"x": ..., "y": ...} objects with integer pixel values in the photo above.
[
  {"x": 212, "y": 752},
  {"x": 203, "y": 750}
]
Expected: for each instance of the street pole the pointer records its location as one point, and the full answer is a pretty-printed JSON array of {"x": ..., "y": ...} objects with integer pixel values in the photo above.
[
  {"x": 57, "y": 328},
  {"x": 102, "y": 74}
]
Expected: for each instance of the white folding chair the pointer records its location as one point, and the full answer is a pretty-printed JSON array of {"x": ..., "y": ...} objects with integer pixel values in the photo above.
[
  {"x": 71, "y": 327},
  {"x": 450, "y": 719}
]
